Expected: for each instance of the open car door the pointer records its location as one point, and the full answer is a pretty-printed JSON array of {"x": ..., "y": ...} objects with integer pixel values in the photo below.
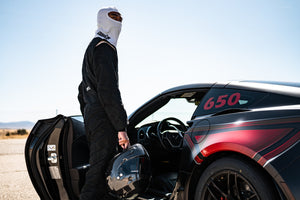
[{"x": 50, "y": 150}]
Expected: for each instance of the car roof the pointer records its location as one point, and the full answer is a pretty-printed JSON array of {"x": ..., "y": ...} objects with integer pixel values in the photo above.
[
  {"x": 293, "y": 84},
  {"x": 284, "y": 88},
  {"x": 189, "y": 87}
]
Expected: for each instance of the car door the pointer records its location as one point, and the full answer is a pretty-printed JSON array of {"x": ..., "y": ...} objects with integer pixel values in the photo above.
[{"x": 50, "y": 150}]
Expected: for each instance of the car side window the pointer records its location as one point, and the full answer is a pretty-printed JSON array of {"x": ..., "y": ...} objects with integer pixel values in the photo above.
[{"x": 218, "y": 100}]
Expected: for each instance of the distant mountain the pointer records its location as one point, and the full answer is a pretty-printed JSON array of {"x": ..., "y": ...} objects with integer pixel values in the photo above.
[{"x": 16, "y": 125}]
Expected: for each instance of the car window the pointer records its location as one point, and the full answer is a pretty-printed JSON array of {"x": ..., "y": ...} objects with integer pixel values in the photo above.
[
  {"x": 218, "y": 100},
  {"x": 179, "y": 108}
]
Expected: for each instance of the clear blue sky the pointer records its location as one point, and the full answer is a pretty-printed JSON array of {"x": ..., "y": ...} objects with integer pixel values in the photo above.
[{"x": 162, "y": 44}]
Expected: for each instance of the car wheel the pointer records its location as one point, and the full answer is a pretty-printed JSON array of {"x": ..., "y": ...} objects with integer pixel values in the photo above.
[{"x": 231, "y": 178}]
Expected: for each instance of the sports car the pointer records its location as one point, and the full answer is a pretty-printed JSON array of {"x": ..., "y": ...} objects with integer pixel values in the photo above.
[{"x": 209, "y": 141}]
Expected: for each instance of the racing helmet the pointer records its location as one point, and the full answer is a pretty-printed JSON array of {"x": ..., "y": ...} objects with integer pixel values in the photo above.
[{"x": 129, "y": 172}]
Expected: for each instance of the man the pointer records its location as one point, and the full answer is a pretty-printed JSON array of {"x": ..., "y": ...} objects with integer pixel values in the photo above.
[{"x": 100, "y": 102}]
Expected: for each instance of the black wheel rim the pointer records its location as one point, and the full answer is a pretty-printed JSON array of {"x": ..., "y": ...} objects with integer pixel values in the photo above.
[{"x": 229, "y": 185}]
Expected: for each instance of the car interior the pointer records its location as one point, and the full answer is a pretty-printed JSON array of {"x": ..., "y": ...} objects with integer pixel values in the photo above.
[{"x": 161, "y": 132}]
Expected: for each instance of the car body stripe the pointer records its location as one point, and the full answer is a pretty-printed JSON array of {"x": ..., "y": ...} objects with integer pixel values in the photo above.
[
  {"x": 194, "y": 149},
  {"x": 256, "y": 123},
  {"x": 260, "y": 140},
  {"x": 283, "y": 147},
  {"x": 247, "y": 142}
]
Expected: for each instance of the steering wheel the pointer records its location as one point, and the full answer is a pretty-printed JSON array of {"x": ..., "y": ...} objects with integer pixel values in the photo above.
[{"x": 169, "y": 134}]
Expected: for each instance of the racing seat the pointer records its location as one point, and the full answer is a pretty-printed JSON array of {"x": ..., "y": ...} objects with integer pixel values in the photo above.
[
  {"x": 161, "y": 187},
  {"x": 165, "y": 182},
  {"x": 164, "y": 176}
]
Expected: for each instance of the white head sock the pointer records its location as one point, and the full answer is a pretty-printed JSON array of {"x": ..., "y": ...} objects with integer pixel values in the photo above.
[{"x": 108, "y": 28}]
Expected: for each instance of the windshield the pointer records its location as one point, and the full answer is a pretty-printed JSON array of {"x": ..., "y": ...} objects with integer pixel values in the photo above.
[{"x": 179, "y": 108}]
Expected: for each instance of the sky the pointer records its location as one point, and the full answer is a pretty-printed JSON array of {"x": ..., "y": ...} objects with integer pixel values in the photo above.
[{"x": 163, "y": 44}]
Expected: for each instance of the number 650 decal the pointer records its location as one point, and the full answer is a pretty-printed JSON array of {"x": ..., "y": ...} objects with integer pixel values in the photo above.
[{"x": 222, "y": 101}]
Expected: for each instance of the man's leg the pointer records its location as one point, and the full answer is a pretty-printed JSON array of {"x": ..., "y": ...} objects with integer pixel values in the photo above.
[{"x": 103, "y": 141}]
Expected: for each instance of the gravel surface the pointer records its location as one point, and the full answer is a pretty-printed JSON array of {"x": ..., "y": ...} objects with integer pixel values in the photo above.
[{"x": 14, "y": 180}]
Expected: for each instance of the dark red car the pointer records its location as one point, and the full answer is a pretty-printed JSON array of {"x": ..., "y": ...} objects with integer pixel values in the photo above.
[{"x": 215, "y": 141}]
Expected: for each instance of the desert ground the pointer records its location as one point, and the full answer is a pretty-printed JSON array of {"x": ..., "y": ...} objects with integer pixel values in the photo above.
[{"x": 15, "y": 183}]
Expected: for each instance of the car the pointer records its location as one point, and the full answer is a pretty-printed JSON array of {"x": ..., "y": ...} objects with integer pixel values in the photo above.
[{"x": 206, "y": 141}]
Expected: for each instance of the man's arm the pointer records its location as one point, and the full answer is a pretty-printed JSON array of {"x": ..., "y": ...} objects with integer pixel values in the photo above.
[
  {"x": 108, "y": 89},
  {"x": 80, "y": 98}
]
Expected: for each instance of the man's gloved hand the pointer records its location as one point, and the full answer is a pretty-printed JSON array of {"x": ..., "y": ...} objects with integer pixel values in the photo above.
[{"x": 123, "y": 139}]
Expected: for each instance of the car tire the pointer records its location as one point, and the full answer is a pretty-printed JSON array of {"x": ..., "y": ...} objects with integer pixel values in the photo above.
[{"x": 233, "y": 178}]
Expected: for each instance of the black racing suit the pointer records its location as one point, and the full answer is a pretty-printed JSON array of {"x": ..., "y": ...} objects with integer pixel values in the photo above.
[{"x": 103, "y": 112}]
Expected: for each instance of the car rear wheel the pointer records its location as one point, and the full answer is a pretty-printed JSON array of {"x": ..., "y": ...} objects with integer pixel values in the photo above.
[{"x": 231, "y": 178}]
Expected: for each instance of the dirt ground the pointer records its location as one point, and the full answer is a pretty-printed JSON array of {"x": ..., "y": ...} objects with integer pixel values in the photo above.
[{"x": 15, "y": 183}]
